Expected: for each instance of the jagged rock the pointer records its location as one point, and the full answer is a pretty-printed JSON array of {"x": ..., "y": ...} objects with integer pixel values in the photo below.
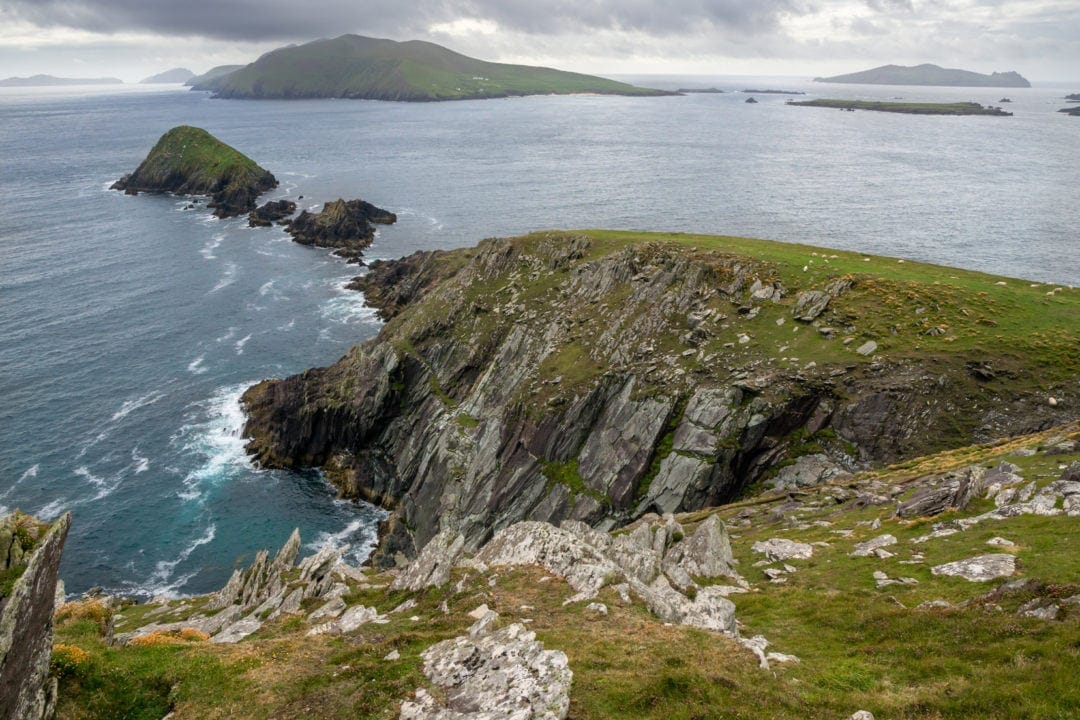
[
  {"x": 779, "y": 549},
  {"x": 979, "y": 569},
  {"x": 806, "y": 471},
  {"x": 271, "y": 212},
  {"x": 866, "y": 549},
  {"x": 706, "y": 553},
  {"x": 1040, "y": 608},
  {"x": 867, "y": 348},
  {"x": 432, "y": 567},
  {"x": 27, "y": 692},
  {"x": 506, "y": 674},
  {"x": 342, "y": 224},
  {"x": 951, "y": 491},
  {"x": 331, "y": 609}
]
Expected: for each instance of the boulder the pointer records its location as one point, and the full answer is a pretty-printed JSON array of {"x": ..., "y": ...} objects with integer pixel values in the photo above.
[
  {"x": 979, "y": 569},
  {"x": 868, "y": 548},
  {"x": 270, "y": 213},
  {"x": 779, "y": 549}
]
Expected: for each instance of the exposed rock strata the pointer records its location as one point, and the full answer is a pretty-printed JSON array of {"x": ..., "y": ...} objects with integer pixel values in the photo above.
[
  {"x": 27, "y": 692},
  {"x": 543, "y": 378},
  {"x": 346, "y": 225}
]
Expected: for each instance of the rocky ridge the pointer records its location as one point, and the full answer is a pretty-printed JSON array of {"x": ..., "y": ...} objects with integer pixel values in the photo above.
[
  {"x": 575, "y": 377},
  {"x": 346, "y": 225}
]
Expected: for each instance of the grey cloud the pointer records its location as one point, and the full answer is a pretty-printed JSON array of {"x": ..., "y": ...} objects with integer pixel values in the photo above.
[{"x": 256, "y": 20}]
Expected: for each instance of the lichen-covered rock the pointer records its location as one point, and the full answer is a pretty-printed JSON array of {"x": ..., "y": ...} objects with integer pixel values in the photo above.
[
  {"x": 979, "y": 569},
  {"x": 432, "y": 566},
  {"x": 866, "y": 549},
  {"x": 502, "y": 675},
  {"x": 777, "y": 549},
  {"x": 26, "y": 623}
]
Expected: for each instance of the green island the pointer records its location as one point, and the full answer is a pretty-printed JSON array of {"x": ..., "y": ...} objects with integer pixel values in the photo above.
[
  {"x": 956, "y": 108},
  {"x": 353, "y": 66},
  {"x": 190, "y": 161},
  {"x": 214, "y": 72}
]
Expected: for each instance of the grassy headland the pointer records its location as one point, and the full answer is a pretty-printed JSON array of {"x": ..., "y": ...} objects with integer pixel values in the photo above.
[{"x": 929, "y": 74}]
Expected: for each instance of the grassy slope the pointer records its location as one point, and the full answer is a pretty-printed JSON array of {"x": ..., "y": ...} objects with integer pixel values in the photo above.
[
  {"x": 353, "y": 66},
  {"x": 197, "y": 156},
  {"x": 860, "y": 646},
  {"x": 955, "y": 108},
  {"x": 928, "y": 74}
]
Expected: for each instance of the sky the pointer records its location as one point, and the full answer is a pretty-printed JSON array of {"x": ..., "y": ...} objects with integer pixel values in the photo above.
[{"x": 131, "y": 39}]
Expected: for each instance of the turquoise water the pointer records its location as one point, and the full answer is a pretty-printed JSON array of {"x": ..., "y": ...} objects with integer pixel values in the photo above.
[{"x": 130, "y": 325}]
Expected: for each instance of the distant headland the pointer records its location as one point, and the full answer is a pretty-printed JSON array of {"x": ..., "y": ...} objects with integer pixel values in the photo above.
[
  {"x": 52, "y": 80},
  {"x": 353, "y": 66},
  {"x": 928, "y": 74},
  {"x": 176, "y": 75}
]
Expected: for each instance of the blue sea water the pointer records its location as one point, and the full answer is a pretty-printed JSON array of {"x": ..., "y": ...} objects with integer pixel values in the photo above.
[{"x": 129, "y": 326}]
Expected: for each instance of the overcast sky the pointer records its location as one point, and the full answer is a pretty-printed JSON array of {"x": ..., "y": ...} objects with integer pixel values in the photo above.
[{"x": 134, "y": 38}]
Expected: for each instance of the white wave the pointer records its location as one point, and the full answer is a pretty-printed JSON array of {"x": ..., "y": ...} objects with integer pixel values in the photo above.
[
  {"x": 3, "y": 510},
  {"x": 347, "y": 307},
  {"x": 196, "y": 367},
  {"x": 86, "y": 446},
  {"x": 208, "y": 249},
  {"x": 52, "y": 510},
  {"x": 161, "y": 582},
  {"x": 142, "y": 464},
  {"x": 266, "y": 287},
  {"x": 29, "y": 474},
  {"x": 227, "y": 278},
  {"x": 105, "y": 486},
  {"x": 130, "y": 405},
  {"x": 228, "y": 335},
  {"x": 287, "y": 326},
  {"x": 241, "y": 343},
  {"x": 216, "y": 436}
]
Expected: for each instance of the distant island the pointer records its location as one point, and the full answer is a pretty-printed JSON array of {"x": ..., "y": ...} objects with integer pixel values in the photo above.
[
  {"x": 1075, "y": 97},
  {"x": 928, "y": 74},
  {"x": 352, "y": 66},
  {"x": 51, "y": 80},
  {"x": 212, "y": 74},
  {"x": 190, "y": 161},
  {"x": 957, "y": 108},
  {"x": 691, "y": 91},
  {"x": 1074, "y": 111},
  {"x": 176, "y": 75},
  {"x": 775, "y": 92}
]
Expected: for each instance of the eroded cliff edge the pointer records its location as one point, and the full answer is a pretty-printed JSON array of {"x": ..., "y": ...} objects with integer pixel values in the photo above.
[{"x": 599, "y": 376}]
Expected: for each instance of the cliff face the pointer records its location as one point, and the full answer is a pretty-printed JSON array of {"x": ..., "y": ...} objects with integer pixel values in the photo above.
[
  {"x": 26, "y": 616},
  {"x": 598, "y": 377},
  {"x": 190, "y": 161}
]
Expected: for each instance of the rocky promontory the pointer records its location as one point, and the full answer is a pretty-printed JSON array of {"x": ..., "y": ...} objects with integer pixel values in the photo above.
[
  {"x": 600, "y": 376},
  {"x": 190, "y": 161},
  {"x": 346, "y": 225}
]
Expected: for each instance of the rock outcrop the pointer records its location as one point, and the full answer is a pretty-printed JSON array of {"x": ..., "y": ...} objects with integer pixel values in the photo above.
[
  {"x": 29, "y": 552},
  {"x": 190, "y": 161},
  {"x": 346, "y": 225},
  {"x": 269, "y": 213},
  {"x": 560, "y": 377}
]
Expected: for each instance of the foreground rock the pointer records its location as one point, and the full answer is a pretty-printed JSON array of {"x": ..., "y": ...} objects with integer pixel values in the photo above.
[
  {"x": 190, "y": 161},
  {"x": 979, "y": 569},
  {"x": 31, "y": 551},
  {"x": 489, "y": 675},
  {"x": 346, "y": 225}
]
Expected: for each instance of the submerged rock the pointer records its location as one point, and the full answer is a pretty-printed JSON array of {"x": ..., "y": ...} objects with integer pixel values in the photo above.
[{"x": 190, "y": 161}]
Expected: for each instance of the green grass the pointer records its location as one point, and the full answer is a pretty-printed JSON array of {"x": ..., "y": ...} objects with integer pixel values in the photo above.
[
  {"x": 910, "y": 108},
  {"x": 351, "y": 66}
]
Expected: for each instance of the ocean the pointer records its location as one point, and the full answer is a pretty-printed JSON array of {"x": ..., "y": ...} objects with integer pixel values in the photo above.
[{"x": 129, "y": 326}]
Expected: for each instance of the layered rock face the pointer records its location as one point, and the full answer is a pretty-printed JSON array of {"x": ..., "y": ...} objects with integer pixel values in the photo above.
[
  {"x": 190, "y": 161},
  {"x": 343, "y": 224},
  {"x": 26, "y": 615},
  {"x": 555, "y": 378}
]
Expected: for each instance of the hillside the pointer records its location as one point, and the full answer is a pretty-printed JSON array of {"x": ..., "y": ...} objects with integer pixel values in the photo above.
[
  {"x": 928, "y": 74},
  {"x": 352, "y": 66},
  {"x": 599, "y": 376},
  {"x": 945, "y": 587},
  {"x": 176, "y": 75},
  {"x": 211, "y": 74},
  {"x": 50, "y": 80},
  {"x": 190, "y": 161},
  {"x": 905, "y": 108}
]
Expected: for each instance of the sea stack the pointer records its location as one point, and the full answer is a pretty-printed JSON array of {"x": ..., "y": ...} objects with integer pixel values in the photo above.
[{"x": 190, "y": 161}]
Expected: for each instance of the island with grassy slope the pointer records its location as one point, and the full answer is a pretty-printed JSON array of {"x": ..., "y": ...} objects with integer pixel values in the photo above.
[
  {"x": 928, "y": 74},
  {"x": 176, "y": 75},
  {"x": 51, "y": 80},
  {"x": 211, "y": 74},
  {"x": 352, "y": 66},
  {"x": 190, "y": 161},
  {"x": 908, "y": 108}
]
